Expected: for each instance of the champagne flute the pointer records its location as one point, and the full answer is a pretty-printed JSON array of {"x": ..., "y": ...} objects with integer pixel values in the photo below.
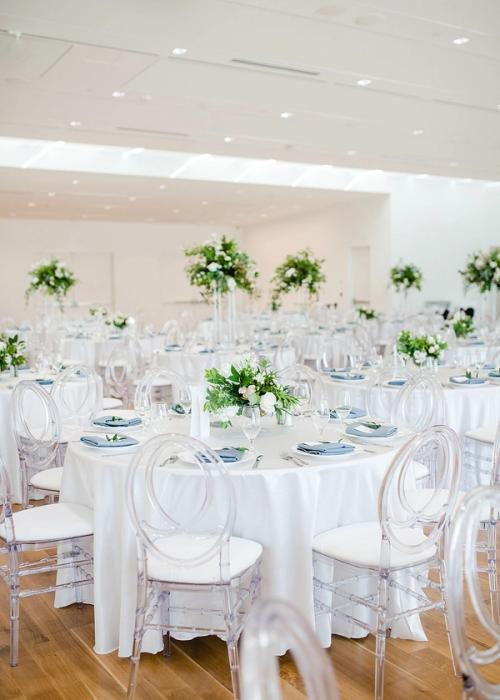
[
  {"x": 159, "y": 418},
  {"x": 321, "y": 416},
  {"x": 184, "y": 399},
  {"x": 250, "y": 424},
  {"x": 344, "y": 406}
]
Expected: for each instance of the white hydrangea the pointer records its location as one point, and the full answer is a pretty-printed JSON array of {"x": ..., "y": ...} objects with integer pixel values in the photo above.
[
  {"x": 420, "y": 357},
  {"x": 268, "y": 402},
  {"x": 231, "y": 283},
  {"x": 213, "y": 267},
  {"x": 290, "y": 272}
]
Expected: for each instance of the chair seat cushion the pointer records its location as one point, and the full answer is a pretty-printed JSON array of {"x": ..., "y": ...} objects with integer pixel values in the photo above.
[
  {"x": 359, "y": 544},
  {"x": 483, "y": 434},
  {"x": 109, "y": 402},
  {"x": 48, "y": 479},
  {"x": 242, "y": 555},
  {"x": 56, "y": 521}
]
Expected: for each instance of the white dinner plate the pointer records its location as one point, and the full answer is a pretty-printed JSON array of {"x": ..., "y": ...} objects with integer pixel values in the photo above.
[
  {"x": 400, "y": 434},
  {"x": 468, "y": 386},
  {"x": 324, "y": 458},
  {"x": 393, "y": 386},
  {"x": 245, "y": 461},
  {"x": 110, "y": 451}
]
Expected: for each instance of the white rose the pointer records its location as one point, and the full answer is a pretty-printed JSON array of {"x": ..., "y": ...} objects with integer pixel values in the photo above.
[
  {"x": 213, "y": 267},
  {"x": 225, "y": 370},
  {"x": 231, "y": 283},
  {"x": 290, "y": 272},
  {"x": 3, "y": 345},
  {"x": 268, "y": 402},
  {"x": 419, "y": 357}
]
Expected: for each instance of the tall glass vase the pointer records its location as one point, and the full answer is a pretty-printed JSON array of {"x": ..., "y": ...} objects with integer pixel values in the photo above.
[
  {"x": 225, "y": 318},
  {"x": 489, "y": 306}
]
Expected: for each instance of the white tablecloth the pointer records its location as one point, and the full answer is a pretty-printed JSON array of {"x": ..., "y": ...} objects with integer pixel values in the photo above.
[
  {"x": 279, "y": 506},
  {"x": 92, "y": 352}
]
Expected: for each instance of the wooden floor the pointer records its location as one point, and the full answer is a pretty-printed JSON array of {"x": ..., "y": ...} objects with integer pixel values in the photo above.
[{"x": 57, "y": 661}]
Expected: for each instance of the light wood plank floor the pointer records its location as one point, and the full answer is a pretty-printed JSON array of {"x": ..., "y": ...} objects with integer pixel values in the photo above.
[{"x": 57, "y": 661}]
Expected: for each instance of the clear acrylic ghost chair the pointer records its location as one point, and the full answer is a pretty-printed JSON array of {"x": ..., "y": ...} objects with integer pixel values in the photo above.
[
  {"x": 394, "y": 553},
  {"x": 478, "y": 455},
  {"x": 183, "y": 524},
  {"x": 296, "y": 340},
  {"x": 124, "y": 368},
  {"x": 274, "y": 624},
  {"x": 77, "y": 393},
  {"x": 162, "y": 386},
  {"x": 36, "y": 425},
  {"x": 304, "y": 383},
  {"x": 382, "y": 392},
  {"x": 174, "y": 336},
  {"x": 64, "y": 527},
  {"x": 475, "y": 651}
]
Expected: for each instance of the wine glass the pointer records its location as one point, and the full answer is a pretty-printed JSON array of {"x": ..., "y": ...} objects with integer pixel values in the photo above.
[
  {"x": 344, "y": 406},
  {"x": 184, "y": 399},
  {"x": 321, "y": 416},
  {"x": 250, "y": 423},
  {"x": 159, "y": 417}
]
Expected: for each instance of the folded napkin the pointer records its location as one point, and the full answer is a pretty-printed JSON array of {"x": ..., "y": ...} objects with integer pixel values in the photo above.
[
  {"x": 474, "y": 342},
  {"x": 494, "y": 373},
  {"x": 325, "y": 448},
  {"x": 101, "y": 441},
  {"x": 228, "y": 455},
  {"x": 204, "y": 351},
  {"x": 330, "y": 370},
  {"x": 368, "y": 429},
  {"x": 172, "y": 348},
  {"x": 44, "y": 382},
  {"x": 354, "y": 413},
  {"x": 466, "y": 380},
  {"x": 488, "y": 365},
  {"x": 396, "y": 382},
  {"x": 116, "y": 422},
  {"x": 349, "y": 376}
]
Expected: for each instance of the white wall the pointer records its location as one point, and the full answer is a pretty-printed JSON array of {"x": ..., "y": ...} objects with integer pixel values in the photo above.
[
  {"x": 330, "y": 234},
  {"x": 134, "y": 268}
]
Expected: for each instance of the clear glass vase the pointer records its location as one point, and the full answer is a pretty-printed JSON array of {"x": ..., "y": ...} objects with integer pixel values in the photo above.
[{"x": 225, "y": 318}]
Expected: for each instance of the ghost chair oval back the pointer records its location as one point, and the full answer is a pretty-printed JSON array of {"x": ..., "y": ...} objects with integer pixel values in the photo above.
[
  {"x": 382, "y": 391},
  {"x": 78, "y": 395},
  {"x": 124, "y": 367},
  {"x": 36, "y": 425},
  {"x": 404, "y": 542},
  {"x": 183, "y": 524},
  {"x": 306, "y": 385},
  {"x": 272, "y": 626},
  {"x": 174, "y": 337},
  {"x": 464, "y": 582},
  {"x": 162, "y": 386},
  {"x": 66, "y": 528},
  {"x": 480, "y": 447}
]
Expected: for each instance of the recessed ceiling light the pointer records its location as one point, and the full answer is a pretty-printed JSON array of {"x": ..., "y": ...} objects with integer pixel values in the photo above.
[
  {"x": 179, "y": 51},
  {"x": 150, "y": 220},
  {"x": 162, "y": 187},
  {"x": 228, "y": 139},
  {"x": 271, "y": 160},
  {"x": 363, "y": 82},
  {"x": 460, "y": 40},
  {"x": 118, "y": 93},
  {"x": 422, "y": 176},
  {"x": 147, "y": 97},
  {"x": 263, "y": 216},
  {"x": 75, "y": 182},
  {"x": 135, "y": 151},
  {"x": 31, "y": 204},
  {"x": 75, "y": 123},
  {"x": 108, "y": 207},
  {"x": 132, "y": 199},
  {"x": 467, "y": 179},
  {"x": 205, "y": 203},
  {"x": 51, "y": 194},
  {"x": 286, "y": 115},
  {"x": 351, "y": 153},
  {"x": 176, "y": 211},
  {"x": 417, "y": 132}
]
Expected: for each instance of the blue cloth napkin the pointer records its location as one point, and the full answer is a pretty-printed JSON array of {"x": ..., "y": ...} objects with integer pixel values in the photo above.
[
  {"x": 116, "y": 422},
  {"x": 489, "y": 365},
  {"x": 228, "y": 455},
  {"x": 44, "y": 382},
  {"x": 474, "y": 342},
  {"x": 172, "y": 348},
  {"x": 464, "y": 380},
  {"x": 98, "y": 441},
  {"x": 325, "y": 448},
  {"x": 354, "y": 413},
  {"x": 381, "y": 432},
  {"x": 330, "y": 370},
  {"x": 204, "y": 351},
  {"x": 347, "y": 376},
  {"x": 396, "y": 382},
  {"x": 494, "y": 373}
]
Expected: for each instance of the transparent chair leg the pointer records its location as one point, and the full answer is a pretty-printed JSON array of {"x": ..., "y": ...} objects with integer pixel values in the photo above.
[
  {"x": 381, "y": 636},
  {"x": 232, "y": 643},
  {"x": 75, "y": 551},
  {"x": 140, "y": 617},
  {"x": 492, "y": 570},
  {"x": 442, "y": 581},
  {"x": 167, "y": 647},
  {"x": 14, "y": 620},
  {"x": 24, "y": 483}
]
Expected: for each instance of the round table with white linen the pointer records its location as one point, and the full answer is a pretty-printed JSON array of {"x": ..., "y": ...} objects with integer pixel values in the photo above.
[
  {"x": 282, "y": 506},
  {"x": 95, "y": 351}
]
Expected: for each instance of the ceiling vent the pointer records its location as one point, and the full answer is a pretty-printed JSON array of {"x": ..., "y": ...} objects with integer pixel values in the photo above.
[{"x": 275, "y": 66}]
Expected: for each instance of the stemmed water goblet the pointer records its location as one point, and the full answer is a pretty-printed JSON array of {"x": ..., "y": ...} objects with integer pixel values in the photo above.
[{"x": 320, "y": 417}]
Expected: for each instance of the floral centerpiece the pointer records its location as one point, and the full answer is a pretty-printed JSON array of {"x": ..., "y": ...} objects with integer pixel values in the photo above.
[
  {"x": 51, "y": 277},
  {"x": 297, "y": 271},
  {"x": 405, "y": 277},
  {"x": 119, "y": 321},
  {"x": 483, "y": 270},
  {"x": 462, "y": 325},
  {"x": 219, "y": 265},
  {"x": 420, "y": 348},
  {"x": 367, "y": 313},
  {"x": 250, "y": 382},
  {"x": 100, "y": 312},
  {"x": 12, "y": 350}
]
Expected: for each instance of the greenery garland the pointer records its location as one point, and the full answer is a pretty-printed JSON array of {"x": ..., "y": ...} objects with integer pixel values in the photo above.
[
  {"x": 483, "y": 270},
  {"x": 405, "y": 277},
  {"x": 220, "y": 265},
  {"x": 300, "y": 270},
  {"x": 51, "y": 277}
]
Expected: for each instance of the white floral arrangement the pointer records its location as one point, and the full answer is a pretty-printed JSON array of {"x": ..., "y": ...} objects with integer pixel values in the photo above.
[
  {"x": 98, "y": 312},
  {"x": 119, "y": 321},
  {"x": 297, "y": 271},
  {"x": 405, "y": 277},
  {"x": 12, "y": 350},
  {"x": 420, "y": 348},
  {"x": 249, "y": 382},
  {"x": 483, "y": 270},
  {"x": 52, "y": 278}
]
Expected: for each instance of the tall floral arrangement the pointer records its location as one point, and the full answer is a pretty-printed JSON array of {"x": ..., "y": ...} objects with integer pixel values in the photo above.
[
  {"x": 420, "y": 348},
  {"x": 220, "y": 265},
  {"x": 12, "y": 350},
  {"x": 462, "y": 325},
  {"x": 405, "y": 277},
  {"x": 297, "y": 271},
  {"x": 52, "y": 278},
  {"x": 364, "y": 312},
  {"x": 482, "y": 270}
]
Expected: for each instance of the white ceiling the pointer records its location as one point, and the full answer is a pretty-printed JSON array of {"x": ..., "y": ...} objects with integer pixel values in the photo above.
[{"x": 61, "y": 60}]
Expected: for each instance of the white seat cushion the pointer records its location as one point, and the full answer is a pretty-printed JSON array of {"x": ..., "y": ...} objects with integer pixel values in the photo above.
[
  {"x": 483, "y": 434},
  {"x": 109, "y": 402},
  {"x": 360, "y": 544},
  {"x": 56, "y": 521},
  {"x": 242, "y": 554},
  {"x": 48, "y": 479}
]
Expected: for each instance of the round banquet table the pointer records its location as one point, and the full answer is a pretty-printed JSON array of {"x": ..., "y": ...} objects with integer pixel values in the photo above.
[
  {"x": 94, "y": 351},
  {"x": 8, "y": 448},
  {"x": 282, "y": 506},
  {"x": 467, "y": 408}
]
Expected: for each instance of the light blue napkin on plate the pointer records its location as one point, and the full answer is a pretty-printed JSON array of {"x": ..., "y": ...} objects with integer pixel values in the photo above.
[
  {"x": 354, "y": 413},
  {"x": 173, "y": 348},
  {"x": 347, "y": 376},
  {"x": 325, "y": 448},
  {"x": 204, "y": 351},
  {"x": 98, "y": 441},
  {"x": 464, "y": 380},
  {"x": 489, "y": 365},
  {"x": 44, "y": 382},
  {"x": 379, "y": 432},
  {"x": 330, "y": 370},
  {"x": 228, "y": 455},
  {"x": 396, "y": 382},
  {"x": 494, "y": 373},
  {"x": 116, "y": 422}
]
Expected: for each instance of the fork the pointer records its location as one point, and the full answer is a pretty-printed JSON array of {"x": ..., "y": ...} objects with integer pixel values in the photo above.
[{"x": 292, "y": 458}]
